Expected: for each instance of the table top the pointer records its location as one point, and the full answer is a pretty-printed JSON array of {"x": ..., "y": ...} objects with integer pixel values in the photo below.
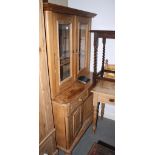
[{"x": 105, "y": 87}]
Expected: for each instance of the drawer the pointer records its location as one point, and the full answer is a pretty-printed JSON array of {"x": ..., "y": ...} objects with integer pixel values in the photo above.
[
  {"x": 83, "y": 96},
  {"x": 78, "y": 101},
  {"x": 74, "y": 105}
]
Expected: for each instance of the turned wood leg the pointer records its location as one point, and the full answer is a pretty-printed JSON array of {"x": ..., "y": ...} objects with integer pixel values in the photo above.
[
  {"x": 102, "y": 110},
  {"x": 95, "y": 118},
  {"x": 95, "y": 111}
]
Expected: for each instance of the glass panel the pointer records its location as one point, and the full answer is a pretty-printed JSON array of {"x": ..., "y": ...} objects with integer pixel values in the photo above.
[
  {"x": 110, "y": 51},
  {"x": 82, "y": 46},
  {"x": 64, "y": 50}
]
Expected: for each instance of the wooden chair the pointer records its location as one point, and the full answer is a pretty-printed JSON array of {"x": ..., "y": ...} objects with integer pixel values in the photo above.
[
  {"x": 107, "y": 71},
  {"x": 104, "y": 35}
]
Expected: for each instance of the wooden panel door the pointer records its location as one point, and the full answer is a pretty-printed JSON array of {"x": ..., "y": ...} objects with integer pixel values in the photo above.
[
  {"x": 77, "y": 120},
  {"x": 47, "y": 142},
  {"x": 83, "y": 44},
  {"x": 63, "y": 39},
  {"x": 88, "y": 107}
]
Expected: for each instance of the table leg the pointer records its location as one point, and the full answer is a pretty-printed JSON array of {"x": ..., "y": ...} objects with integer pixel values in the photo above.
[
  {"x": 95, "y": 118},
  {"x": 95, "y": 112},
  {"x": 102, "y": 110}
]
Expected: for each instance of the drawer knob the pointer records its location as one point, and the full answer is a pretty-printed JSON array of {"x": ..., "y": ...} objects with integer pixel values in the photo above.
[
  {"x": 111, "y": 100},
  {"x": 80, "y": 100}
]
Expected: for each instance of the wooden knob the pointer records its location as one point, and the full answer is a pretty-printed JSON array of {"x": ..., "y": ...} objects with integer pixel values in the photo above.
[
  {"x": 80, "y": 100},
  {"x": 111, "y": 100}
]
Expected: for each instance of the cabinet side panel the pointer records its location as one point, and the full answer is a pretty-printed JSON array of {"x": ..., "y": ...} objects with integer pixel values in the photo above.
[{"x": 59, "y": 119}]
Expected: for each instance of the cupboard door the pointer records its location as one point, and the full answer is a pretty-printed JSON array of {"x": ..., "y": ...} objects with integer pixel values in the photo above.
[
  {"x": 88, "y": 107},
  {"x": 83, "y": 44},
  {"x": 77, "y": 121},
  {"x": 63, "y": 50}
]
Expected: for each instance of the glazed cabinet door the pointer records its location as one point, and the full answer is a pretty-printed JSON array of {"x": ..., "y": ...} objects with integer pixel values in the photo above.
[
  {"x": 63, "y": 49},
  {"x": 83, "y": 44}
]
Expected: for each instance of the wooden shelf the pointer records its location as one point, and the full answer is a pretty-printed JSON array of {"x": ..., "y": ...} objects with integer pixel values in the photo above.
[{"x": 64, "y": 61}]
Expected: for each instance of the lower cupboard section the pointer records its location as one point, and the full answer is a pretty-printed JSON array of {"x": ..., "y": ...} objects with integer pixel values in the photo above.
[{"x": 71, "y": 126}]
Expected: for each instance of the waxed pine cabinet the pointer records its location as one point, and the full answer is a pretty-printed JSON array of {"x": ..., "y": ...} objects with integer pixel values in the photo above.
[{"x": 68, "y": 48}]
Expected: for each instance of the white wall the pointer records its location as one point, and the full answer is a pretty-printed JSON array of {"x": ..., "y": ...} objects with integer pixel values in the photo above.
[
  {"x": 59, "y": 2},
  {"x": 105, "y": 20}
]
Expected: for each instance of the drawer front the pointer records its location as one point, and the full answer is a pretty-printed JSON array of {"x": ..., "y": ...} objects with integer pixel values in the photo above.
[
  {"x": 83, "y": 96},
  {"x": 79, "y": 101},
  {"x": 88, "y": 107},
  {"x": 74, "y": 106}
]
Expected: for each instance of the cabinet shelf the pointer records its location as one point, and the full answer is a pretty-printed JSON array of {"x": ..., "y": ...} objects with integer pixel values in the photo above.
[
  {"x": 62, "y": 58},
  {"x": 64, "y": 61},
  {"x": 64, "y": 64}
]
